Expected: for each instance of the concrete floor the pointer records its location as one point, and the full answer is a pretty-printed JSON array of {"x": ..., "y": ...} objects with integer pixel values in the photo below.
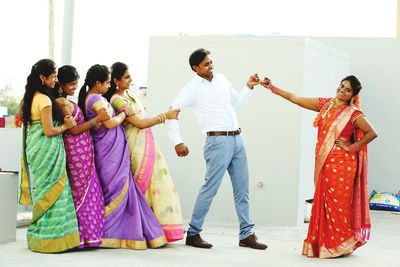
[{"x": 285, "y": 244}]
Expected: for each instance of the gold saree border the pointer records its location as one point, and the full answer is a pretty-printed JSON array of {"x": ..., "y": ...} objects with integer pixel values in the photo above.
[
  {"x": 345, "y": 248},
  {"x": 134, "y": 244},
  {"x": 86, "y": 192},
  {"x": 45, "y": 203},
  {"x": 25, "y": 197},
  {"x": 114, "y": 204},
  {"x": 67, "y": 242},
  {"x": 90, "y": 241},
  {"x": 100, "y": 104}
]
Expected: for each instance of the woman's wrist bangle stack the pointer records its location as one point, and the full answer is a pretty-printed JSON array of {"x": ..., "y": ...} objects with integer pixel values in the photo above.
[
  {"x": 274, "y": 89},
  {"x": 92, "y": 124},
  {"x": 353, "y": 148},
  {"x": 161, "y": 118},
  {"x": 126, "y": 112}
]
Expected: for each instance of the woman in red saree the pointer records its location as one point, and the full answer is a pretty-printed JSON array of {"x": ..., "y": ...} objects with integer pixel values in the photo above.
[{"x": 340, "y": 219}]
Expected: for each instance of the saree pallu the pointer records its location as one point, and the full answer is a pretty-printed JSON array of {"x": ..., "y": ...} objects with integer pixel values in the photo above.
[
  {"x": 85, "y": 183},
  {"x": 151, "y": 172},
  {"x": 54, "y": 225},
  {"x": 129, "y": 221},
  {"x": 337, "y": 225}
]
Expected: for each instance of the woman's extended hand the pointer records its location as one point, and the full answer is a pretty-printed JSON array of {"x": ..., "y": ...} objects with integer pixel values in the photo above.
[
  {"x": 172, "y": 114},
  {"x": 102, "y": 115},
  {"x": 343, "y": 144},
  {"x": 69, "y": 121},
  {"x": 267, "y": 83}
]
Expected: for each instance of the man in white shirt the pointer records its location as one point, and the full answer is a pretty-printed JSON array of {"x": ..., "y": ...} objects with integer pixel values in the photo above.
[{"x": 213, "y": 102}]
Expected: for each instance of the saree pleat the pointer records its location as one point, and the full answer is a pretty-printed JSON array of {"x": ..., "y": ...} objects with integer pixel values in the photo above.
[{"x": 54, "y": 225}]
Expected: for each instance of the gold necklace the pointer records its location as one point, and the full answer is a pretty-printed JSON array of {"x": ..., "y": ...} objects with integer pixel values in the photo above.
[{"x": 331, "y": 104}]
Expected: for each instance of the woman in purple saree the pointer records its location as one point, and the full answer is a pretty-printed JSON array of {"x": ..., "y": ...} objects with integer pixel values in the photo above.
[
  {"x": 129, "y": 221},
  {"x": 148, "y": 164}
]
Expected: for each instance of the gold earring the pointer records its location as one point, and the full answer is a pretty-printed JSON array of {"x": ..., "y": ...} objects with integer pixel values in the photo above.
[{"x": 42, "y": 82}]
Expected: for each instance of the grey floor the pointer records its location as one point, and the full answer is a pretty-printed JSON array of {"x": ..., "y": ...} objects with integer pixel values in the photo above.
[{"x": 284, "y": 250}]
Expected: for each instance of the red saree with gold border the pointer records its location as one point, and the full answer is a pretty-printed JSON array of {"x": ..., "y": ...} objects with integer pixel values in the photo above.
[{"x": 340, "y": 219}]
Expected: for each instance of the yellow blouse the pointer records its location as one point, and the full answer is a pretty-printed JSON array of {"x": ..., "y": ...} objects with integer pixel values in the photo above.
[{"x": 39, "y": 102}]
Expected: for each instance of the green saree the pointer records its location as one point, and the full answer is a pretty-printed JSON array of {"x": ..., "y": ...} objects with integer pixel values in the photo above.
[{"x": 54, "y": 225}]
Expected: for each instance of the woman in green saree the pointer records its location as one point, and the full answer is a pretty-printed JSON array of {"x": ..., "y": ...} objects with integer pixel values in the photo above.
[{"x": 54, "y": 225}]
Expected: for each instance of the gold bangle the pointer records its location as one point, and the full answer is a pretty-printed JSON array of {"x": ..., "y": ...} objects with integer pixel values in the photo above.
[
  {"x": 162, "y": 117},
  {"x": 92, "y": 124},
  {"x": 62, "y": 128}
]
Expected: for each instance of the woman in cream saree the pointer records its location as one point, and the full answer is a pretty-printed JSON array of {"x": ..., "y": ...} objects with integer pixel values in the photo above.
[{"x": 148, "y": 164}]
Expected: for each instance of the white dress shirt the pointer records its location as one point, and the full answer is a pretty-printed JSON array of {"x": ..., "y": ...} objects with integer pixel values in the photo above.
[{"x": 213, "y": 105}]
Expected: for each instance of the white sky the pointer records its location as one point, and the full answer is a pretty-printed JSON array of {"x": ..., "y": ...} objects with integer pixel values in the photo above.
[{"x": 107, "y": 31}]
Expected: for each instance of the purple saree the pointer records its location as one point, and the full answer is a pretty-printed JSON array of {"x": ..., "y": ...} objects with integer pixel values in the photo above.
[
  {"x": 86, "y": 188},
  {"x": 129, "y": 221}
]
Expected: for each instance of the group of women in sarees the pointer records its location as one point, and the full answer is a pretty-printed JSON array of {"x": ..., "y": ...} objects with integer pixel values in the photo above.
[{"x": 100, "y": 179}]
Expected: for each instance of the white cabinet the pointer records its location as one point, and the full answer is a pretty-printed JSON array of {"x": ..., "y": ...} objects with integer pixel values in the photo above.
[{"x": 10, "y": 147}]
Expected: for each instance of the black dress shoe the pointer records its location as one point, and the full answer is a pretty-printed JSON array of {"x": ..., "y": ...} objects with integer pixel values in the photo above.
[
  {"x": 251, "y": 242},
  {"x": 197, "y": 241}
]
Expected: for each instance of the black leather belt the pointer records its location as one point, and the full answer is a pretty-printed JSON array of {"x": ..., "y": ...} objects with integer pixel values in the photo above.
[{"x": 224, "y": 133}]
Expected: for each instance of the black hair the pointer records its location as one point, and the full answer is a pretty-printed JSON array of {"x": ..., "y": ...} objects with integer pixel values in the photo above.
[
  {"x": 66, "y": 74},
  {"x": 354, "y": 82},
  {"x": 95, "y": 73},
  {"x": 34, "y": 84},
  {"x": 118, "y": 70},
  {"x": 197, "y": 57}
]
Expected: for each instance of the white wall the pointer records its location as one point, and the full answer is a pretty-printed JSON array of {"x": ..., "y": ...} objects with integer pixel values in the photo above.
[
  {"x": 376, "y": 62},
  {"x": 280, "y": 148},
  {"x": 10, "y": 146},
  {"x": 324, "y": 67},
  {"x": 10, "y": 149},
  {"x": 8, "y": 207}
]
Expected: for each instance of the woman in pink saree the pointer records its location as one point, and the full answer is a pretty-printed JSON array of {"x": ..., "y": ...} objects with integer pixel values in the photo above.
[
  {"x": 147, "y": 161},
  {"x": 85, "y": 183},
  {"x": 340, "y": 218}
]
